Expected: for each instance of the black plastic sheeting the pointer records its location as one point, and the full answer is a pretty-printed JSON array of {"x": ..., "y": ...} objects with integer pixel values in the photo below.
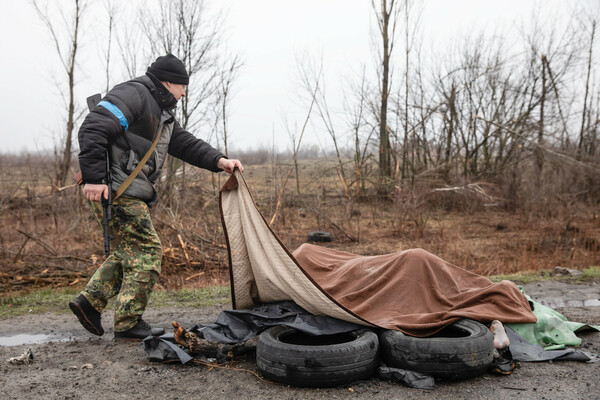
[
  {"x": 237, "y": 326},
  {"x": 164, "y": 348},
  {"x": 412, "y": 379},
  {"x": 522, "y": 350}
]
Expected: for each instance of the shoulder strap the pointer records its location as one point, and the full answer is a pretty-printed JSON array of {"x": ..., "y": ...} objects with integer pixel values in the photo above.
[{"x": 123, "y": 186}]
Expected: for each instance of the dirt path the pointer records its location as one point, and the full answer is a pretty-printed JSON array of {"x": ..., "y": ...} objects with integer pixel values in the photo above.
[{"x": 121, "y": 370}]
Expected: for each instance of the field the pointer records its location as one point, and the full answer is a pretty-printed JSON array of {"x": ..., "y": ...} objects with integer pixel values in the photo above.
[
  {"x": 49, "y": 240},
  {"x": 48, "y": 237}
]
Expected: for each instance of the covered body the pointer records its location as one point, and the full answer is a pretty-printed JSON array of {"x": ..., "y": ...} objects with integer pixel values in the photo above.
[{"x": 413, "y": 291}]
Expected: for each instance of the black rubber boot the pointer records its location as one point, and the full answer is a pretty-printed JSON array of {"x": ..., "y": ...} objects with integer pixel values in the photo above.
[
  {"x": 141, "y": 330},
  {"x": 87, "y": 315}
]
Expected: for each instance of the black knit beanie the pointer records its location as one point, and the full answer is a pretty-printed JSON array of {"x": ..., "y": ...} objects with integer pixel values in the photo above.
[{"x": 169, "y": 69}]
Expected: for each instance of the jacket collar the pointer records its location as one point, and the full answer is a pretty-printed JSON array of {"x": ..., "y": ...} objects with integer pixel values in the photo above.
[{"x": 163, "y": 97}]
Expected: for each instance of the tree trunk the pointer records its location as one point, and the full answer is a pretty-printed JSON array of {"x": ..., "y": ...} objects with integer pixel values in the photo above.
[
  {"x": 539, "y": 155},
  {"x": 585, "y": 97},
  {"x": 384, "y": 138},
  {"x": 65, "y": 163}
]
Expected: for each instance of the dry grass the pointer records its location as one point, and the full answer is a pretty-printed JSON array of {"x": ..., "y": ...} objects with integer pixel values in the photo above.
[{"x": 50, "y": 239}]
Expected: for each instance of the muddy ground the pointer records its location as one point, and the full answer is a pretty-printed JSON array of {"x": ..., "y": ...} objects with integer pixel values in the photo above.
[{"x": 88, "y": 367}]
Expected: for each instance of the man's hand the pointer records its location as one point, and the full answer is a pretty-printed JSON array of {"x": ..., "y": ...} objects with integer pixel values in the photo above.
[
  {"x": 229, "y": 165},
  {"x": 94, "y": 192}
]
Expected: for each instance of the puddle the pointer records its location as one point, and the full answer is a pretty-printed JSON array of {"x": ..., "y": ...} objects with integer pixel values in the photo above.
[
  {"x": 30, "y": 339},
  {"x": 560, "y": 303}
]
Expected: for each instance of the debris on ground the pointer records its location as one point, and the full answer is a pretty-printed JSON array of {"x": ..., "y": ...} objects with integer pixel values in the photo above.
[
  {"x": 562, "y": 271},
  {"x": 25, "y": 358},
  {"x": 197, "y": 345}
]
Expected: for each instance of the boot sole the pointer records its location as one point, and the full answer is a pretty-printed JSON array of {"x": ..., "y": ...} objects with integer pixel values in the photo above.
[{"x": 85, "y": 322}]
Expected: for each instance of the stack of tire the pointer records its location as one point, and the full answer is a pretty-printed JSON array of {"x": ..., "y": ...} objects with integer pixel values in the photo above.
[
  {"x": 288, "y": 356},
  {"x": 462, "y": 350}
]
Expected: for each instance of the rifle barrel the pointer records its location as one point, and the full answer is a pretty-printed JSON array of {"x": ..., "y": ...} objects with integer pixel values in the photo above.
[{"x": 106, "y": 208}]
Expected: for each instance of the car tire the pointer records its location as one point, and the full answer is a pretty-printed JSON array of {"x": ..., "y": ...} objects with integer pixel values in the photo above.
[
  {"x": 319, "y": 236},
  {"x": 462, "y": 350},
  {"x": 288, "y": 356}
]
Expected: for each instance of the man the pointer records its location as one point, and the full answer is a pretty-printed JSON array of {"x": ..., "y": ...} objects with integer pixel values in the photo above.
[{"x": 124, "y": 126}]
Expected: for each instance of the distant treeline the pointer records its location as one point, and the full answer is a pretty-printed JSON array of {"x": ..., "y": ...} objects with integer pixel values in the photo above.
[{"x": 521, "y": 111}]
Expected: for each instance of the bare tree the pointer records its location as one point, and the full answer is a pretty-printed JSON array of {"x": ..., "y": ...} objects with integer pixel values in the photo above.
[
  {"x": 296, "y": 150},
  {"x": 587, "y": 86},
  {"x": 387, "y": 18},
  {"x": 311, "y": 79},
  {"x": 226, "y": 78},
  {"x": 539, "y": 155},
  {"x": 111, "y": 13},
  {"x": 134, "y": 45},
  {"x": 67, "y": 52},
  {"x": 410, "y": 30},
  {"x": 361, "y": 133},
  {"x": 187, "y": 29}
]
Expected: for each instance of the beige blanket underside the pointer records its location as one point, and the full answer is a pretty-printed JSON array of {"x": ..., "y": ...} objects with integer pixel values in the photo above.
[{"x": 262, "y": 270}]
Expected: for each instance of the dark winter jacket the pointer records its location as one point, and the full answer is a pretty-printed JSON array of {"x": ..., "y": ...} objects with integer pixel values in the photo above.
[{"x": 126, "y": 122}]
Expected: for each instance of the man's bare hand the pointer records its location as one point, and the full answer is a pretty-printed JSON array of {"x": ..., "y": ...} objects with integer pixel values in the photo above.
[
  {"x": 94, "y": 192},
  {"x": 229, "y": 165}
]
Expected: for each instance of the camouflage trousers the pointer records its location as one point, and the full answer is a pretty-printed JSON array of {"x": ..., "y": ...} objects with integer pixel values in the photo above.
[{"x": 133, "y": 267}]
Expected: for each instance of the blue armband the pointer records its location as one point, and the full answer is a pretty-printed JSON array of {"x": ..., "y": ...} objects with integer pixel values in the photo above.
[{"x": 116, "y": 112}]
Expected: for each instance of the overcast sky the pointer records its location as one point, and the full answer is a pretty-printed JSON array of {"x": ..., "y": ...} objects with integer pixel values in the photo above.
[{"x": 270, "y": 35}]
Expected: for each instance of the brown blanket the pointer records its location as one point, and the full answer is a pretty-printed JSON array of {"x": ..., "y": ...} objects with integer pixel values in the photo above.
[{"x": 413, "y": 291}]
